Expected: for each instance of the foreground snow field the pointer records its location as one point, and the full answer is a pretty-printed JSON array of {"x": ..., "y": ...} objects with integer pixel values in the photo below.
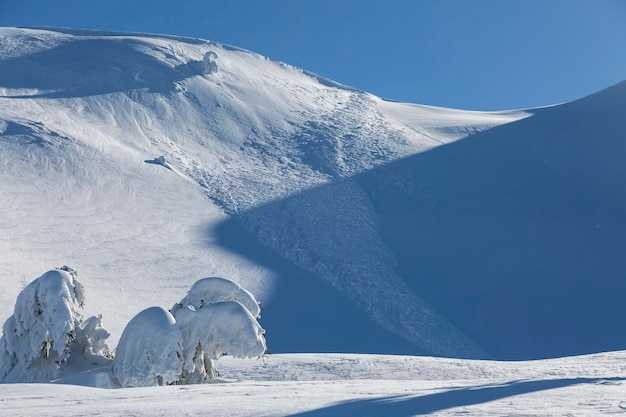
[{"x": 318, "y": 385}]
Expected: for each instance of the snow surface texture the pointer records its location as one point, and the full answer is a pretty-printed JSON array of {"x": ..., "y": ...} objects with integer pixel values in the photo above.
[
  {"x": 325, "y": 201},
  {"x": 326, "y": 385},
  {"x": 46, "y": 331}
]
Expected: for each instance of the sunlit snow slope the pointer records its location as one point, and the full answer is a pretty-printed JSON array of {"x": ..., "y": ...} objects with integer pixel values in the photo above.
[{"x": 362, "y": 225}]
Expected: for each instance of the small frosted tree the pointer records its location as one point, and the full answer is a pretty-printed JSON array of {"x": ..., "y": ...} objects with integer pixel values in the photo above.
[
  {"x": 46, "y": 331},
  {"x": 216, "y": 317},
  {"x": 212, "y": 331}
]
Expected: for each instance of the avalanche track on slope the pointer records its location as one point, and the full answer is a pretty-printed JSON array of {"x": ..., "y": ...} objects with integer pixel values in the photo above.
[{"x": 252, "y": 141}]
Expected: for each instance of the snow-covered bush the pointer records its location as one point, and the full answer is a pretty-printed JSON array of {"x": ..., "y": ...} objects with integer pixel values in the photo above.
[
  {"x": 46, "y": 331},
  {"x": 216, "y": 317},
  {"x": 46, "y": 338},
  {"x": 215, "y": 289},
  {"x": 149, "y": 351},
  {"x": 214, "y": 330}
]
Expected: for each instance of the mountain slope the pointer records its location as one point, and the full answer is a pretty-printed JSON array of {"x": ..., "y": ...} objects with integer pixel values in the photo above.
[
  {"x": 513, "y": 234},
  {"x": 270, "y": 175}
]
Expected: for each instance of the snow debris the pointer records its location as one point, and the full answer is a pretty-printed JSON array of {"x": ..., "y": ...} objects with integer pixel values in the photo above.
[
  {"x": 159, "y": 161},
  {"x": 209, "y": 66}
]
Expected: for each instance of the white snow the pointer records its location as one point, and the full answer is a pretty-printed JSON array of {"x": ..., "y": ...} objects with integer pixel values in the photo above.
[
  {"x": 324, "y": 201},
  {"x": 354, "y": 385},
  {"x": 79, "y": 125},
  {"x": 46, "y": 331},
  {"x": 215, "y": 289},
  {"x": 46, "y": 338},
  {"x": 150, "y": 350},
  {"x": 213, "y": 331}
]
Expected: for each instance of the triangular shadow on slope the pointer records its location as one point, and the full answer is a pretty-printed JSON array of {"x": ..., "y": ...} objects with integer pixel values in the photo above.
[
  {"x": 515, "y": 235},
  {"x": 87, "y": 67},
  {"x": 406, "y": 406}
]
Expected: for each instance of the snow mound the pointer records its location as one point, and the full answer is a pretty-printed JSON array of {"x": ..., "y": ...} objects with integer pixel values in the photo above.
[
  {"x": 209, "y": 65},
  {"x": 150, "y": 350},
  {"x": 159, "y": 161}
]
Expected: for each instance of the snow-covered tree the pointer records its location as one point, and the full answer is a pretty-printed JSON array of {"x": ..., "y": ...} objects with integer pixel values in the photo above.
[
  {"x": 215, "y": 289},
  {"x": 216, "y": 317},
  {"x": 214, "y": 330},
  {"x": 46, "y": 332},
  {"x": 149, "y": 351},
  {"x": 46, "y": 338}
]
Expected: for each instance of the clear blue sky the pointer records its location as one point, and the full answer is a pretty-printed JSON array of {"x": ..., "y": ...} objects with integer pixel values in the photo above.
[{"x": 483, "y": 54}]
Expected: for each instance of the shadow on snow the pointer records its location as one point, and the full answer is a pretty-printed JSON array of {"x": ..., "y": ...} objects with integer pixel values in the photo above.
[
  {"x": 105, "y": 66},
  {"x": 515, "y": 235},
  {"x": 403, "y": 406}
]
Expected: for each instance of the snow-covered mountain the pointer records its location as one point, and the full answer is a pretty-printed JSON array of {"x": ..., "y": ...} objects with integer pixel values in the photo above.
[{"x": 363, "y": 225}]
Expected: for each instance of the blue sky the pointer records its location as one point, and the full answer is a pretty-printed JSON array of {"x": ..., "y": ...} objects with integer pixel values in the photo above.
[{"x": 484, "y": 54}]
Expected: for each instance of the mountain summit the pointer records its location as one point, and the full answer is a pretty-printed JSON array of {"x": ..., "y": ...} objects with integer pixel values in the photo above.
[{"x": 364, "y": 225}]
